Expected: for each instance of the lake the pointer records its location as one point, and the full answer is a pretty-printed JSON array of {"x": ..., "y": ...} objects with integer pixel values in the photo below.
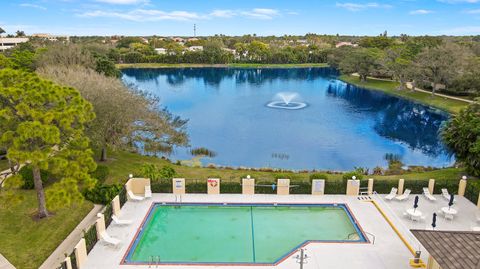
[{"x": 341, "y": 127}]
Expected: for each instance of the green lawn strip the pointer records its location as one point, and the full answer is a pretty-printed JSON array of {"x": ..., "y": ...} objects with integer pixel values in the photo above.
[
  {"x": 122, "y": 163},
  {"x": 390, "y": 87},
  {"x": 235, "y": 65},
  {"x": 26, "y": 242},
  {"x": 3, "y": 165}
]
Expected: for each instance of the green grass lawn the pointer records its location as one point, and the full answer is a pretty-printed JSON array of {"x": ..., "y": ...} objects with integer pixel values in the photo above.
[
  {"x": 3, "y": 165},
  {"x": 236, "y": 65},
  {"x": 26, "y": 242},
  {"x": 123, "y": 163},
  {"x": 390, "y": 87}
]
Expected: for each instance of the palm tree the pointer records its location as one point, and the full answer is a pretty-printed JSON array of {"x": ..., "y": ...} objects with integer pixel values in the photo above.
[{"x": 1, "y": 30}]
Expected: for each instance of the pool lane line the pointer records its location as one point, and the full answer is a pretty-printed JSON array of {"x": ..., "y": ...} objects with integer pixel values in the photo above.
[{"x": 253, "y": 233}]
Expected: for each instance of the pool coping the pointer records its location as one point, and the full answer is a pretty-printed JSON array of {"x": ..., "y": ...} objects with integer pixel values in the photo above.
[{"x": 363, "y": 238}]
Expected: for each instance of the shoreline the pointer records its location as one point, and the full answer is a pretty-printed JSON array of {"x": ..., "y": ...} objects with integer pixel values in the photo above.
[{"x": 234, "y": 65}]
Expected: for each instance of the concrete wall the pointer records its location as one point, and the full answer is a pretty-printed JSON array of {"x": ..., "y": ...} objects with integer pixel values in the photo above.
[
  {"x": 213, "y": 186},
  {"x": 283, "y": 186},
  {"x": 178, "y": 186},
  {"x": 81, "y": 253},
  {"x": 137, "y": 185},
  {"x": 248, "y": 186},
  {"x": 318, "y": 187}
]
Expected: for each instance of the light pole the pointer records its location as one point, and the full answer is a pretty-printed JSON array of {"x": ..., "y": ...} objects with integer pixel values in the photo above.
[{"x": 302, "y": 258}]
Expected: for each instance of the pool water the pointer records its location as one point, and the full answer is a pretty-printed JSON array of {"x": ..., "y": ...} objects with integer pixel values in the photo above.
[
  {"x": 238, "y": 233},
  {"x": 340, "y": 128}
]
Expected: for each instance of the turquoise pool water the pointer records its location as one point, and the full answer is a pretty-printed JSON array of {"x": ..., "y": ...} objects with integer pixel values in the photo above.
[{"x": 246, "y": 233}]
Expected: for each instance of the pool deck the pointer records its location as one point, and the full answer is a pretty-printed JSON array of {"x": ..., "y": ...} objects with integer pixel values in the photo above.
[{"x": 388, "y": 251}]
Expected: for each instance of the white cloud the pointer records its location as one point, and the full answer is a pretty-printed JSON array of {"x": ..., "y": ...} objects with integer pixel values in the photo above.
[
  {"x": 33, "y": 6},
  {"x": 223, "y": 13},
  {"x": 142, "y": 15},
  {"x": 358, "y": 7},
  {"x": 421, "y": 12},
  {"x": 261, "y": 13},
  {"x": 459, "y": 1},
  {"x": 473, "y": 11},
  {"x": 123, "y": 2},
  {"x": 464, "y": 30}
]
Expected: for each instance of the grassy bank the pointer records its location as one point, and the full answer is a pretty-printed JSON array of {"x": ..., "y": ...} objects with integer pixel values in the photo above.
[
  {"x": 27, "y": 242},
  {"x": 235, "y": 65},
  {"x": 123, "y": 163},
  {"x": 390, "y": 87}
]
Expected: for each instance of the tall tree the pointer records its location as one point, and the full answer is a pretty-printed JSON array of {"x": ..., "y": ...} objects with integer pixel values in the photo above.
[
  {"x": 398, "y": 62},
  {"x": 462, "y": 135},
  {"x": 124, "y": 117},
  {"x": 439, "y": 65},
  {"x": 2, "y": 31},
  {"x": 19, "y": 33},
  {"x": 42, "y": 125},
  {"x": 361, "y": 61}
]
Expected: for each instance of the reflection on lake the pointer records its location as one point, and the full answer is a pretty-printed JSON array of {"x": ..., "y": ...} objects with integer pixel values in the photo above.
[{"x": 342, "y": 126}]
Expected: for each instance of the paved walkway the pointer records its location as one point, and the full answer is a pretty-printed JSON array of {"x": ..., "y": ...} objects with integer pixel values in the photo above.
[
  {"x": 409, "y": 86},
  {"x": 5, "y": 264},
  {"x": 71, "y": 241}
]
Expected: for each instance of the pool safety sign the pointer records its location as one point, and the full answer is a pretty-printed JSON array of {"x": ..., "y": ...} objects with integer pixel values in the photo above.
[
  {"x": 178, "y": 185},
  {"x": 213, "y": 186}
]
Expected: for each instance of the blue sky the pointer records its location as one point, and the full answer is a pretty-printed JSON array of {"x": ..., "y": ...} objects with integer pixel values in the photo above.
[{"x": 238, "y": 17}]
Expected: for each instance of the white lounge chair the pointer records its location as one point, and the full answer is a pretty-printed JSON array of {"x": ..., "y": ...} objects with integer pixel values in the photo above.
[
  {"x": 445, "y": 194},
  {"x": 135, "y": 197},
  {"x": 108, "y": 239},
  {"x": 148, "y": 192},
  {"x": 427, "y": 194},
  {"x": 118, "y": 221},
  {"x": 392, "y": 194},
  {"x": 404, "y": 196}
]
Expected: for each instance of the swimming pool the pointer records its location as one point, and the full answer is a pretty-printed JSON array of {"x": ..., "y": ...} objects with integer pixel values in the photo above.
[{"x": 238, "y": 233}]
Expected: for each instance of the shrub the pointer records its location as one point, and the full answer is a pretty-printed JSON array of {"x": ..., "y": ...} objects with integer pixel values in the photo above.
[
  {"x": 167, "y": 172},
  {"x": 102, "y": 194},
  {"x": 101, "y": 173},
  {"x": 27, "y": 176},
  {"x": 203, "y": 152},
  {"x": 318, "y": 176},
  {"x": 349, "y": 175}
]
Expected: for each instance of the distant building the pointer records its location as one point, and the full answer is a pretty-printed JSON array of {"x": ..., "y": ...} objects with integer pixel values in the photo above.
[
  {"x": 195, "y": 48},
  {"x": 51, "y": 37},
  {"x": 161, "y": 51},
  {"x": 192, "y": 39},
  {"x": 178, "y": 39},
  {"x": 10, "y": 42},
  {"x": 341, "y": 44}
]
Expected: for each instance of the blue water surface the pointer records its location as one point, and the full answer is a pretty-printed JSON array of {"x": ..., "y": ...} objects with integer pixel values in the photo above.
[{"x": 342, "y": 127}]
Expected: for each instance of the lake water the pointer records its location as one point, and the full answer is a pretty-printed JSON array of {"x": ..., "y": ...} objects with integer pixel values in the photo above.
[{"x": 342, "y": 127}]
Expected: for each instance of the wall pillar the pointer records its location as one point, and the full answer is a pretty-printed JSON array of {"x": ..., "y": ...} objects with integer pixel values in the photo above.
[
  {"x": 213, "y": 186},
  {"x": 353, "y": 187},
  {"x": 248, "y": 185},
  {"x": 81, "y": 253},
  {"x": 116, "y": 206},
  {"x": 401, "y": 182},
  {"x": 318, "y": 187},
  {"x": 68, "y": 262},
  {"x": 370, "y": 186},
  {"x": 431, "y": 185},
  {"x": 178, "y": 186},
  {"x": 462, "y": 186},
  {"x": 283, "y": 186},
  {"x": 100, "y": 225},
  {"x": 478, "y": 203}
]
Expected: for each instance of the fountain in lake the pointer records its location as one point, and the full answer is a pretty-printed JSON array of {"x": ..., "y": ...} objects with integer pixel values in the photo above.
[{"x": 285, "y": 100}]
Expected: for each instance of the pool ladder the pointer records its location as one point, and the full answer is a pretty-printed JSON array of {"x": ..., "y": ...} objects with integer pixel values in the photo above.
[
  {"x": 154, "y": 260},
  {"x": 178, "y": 198}
]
